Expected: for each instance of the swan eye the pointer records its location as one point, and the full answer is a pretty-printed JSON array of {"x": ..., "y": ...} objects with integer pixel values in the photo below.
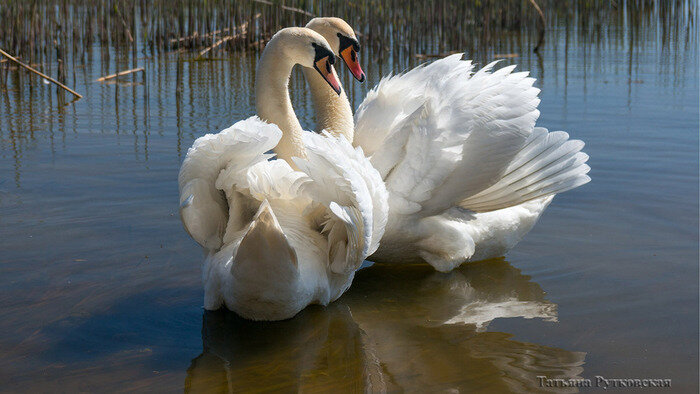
[
  {"x": 321, "y": 52},
  {"x": 347, "y": 42}
]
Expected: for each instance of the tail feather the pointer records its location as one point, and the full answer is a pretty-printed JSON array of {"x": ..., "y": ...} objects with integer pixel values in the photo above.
[
  {"x": 264, "y": 251},
  {"x": 549, "y": 163}
]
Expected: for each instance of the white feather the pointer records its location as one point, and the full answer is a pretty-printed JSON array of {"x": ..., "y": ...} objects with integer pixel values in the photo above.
[
  {"x": 279, "y": 239},
  {"x": 444, "y": 139},
  {"x": 203, "y": 208},
  {"x": 344, "y": 178},
  {"x": 550, "y": 163}
]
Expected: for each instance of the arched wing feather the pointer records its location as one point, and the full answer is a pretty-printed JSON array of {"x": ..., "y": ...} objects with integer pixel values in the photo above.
[
  {"x": 549, "y": 163},
  {"x": 442, "y": 135},
  {"x": 353, "y": 197},
  {"x": 203, "y": 207}
]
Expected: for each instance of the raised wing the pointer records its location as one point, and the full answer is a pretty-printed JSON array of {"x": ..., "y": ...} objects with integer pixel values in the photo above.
[
  {"x": 549, "y": 163},
  {"x": 204, "y": 210},
  {"x": 441, "y": 134}
]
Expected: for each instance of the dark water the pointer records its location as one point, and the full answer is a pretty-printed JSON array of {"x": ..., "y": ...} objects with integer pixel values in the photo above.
[{"x": 100, "y": 286}]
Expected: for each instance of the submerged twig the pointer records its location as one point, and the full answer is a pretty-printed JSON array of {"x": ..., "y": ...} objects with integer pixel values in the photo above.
[
  {"x": 46, "y": 77},
  {"x": 186, "y": 38},
  {"x": 196, "y": 35},
  {"x": 540, "y": 25},
  {"x": 126, "y": 27},
  {"x": 216, "y": 44},
  {"x": 287, "y": 8},
  {"x": 120, "y": 74},
  {"x": 242, "y": 33}
]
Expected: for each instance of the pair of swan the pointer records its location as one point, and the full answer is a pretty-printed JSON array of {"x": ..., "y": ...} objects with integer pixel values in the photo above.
[{"x": 448, "y": 167}]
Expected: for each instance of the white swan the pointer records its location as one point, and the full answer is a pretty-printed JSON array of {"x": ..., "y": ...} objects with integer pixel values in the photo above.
[
  {"x": 467, "y": 171},
  {"x": 280, "y": 238}
]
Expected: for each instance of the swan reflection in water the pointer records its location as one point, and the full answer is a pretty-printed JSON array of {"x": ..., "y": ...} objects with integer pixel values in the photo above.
[{"x": 398, "y": 327}]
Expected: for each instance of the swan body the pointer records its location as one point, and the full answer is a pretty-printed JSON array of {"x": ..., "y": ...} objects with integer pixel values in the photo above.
[
  {"x": 467, "y": 171},
  {"x": 280, "y": 233}
]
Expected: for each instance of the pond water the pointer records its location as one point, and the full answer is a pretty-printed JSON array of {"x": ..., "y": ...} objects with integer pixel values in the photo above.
[{"x": 100, "y": 285}]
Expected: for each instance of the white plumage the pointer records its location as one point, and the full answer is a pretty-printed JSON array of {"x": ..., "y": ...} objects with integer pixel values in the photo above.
[
  {"x": 280, "y": 233},
  {"x": 456, "y": 171},
  {"x": 467, "y": 171},
  {"x": 278, "y": 239}
]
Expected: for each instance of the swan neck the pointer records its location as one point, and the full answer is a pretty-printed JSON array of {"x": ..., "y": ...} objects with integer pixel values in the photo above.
[
  {"x": 272, "y": 100},
  {"x": 333, "y": 111}
]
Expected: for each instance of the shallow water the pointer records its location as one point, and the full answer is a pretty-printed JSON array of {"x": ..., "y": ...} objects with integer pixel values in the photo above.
[{"x": 101, "y": 285}]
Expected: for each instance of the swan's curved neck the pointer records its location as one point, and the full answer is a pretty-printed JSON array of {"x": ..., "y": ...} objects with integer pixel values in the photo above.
[
  {"x": 333, "y": 112},
  {"x": 272, "y": 100}
]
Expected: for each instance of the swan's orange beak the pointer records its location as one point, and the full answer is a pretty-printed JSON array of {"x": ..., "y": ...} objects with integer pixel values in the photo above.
[
  {"x": 323, "y": 66},
  {"x": 349, "y": 55}
]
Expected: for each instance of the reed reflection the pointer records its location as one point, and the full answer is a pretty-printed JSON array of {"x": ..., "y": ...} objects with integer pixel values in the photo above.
[{"x": 398, "y": 327}]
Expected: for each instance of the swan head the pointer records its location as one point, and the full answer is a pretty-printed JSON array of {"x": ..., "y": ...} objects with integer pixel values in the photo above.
[
  {"x": 342, "y": 39},
  {"x": 307, "y": 48}
]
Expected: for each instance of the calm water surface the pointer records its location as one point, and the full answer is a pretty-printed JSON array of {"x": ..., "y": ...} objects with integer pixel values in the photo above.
[{"x": 101, "y": 286}]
